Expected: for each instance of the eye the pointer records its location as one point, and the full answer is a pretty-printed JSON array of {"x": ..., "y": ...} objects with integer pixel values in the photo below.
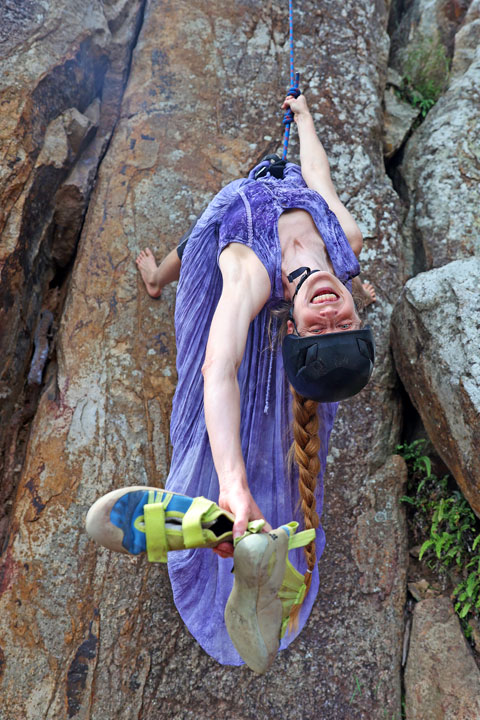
[{"x": 345, "y": 326}]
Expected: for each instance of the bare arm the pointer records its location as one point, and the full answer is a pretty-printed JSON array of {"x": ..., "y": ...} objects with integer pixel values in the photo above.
[
  {"x": 316, "y": 170},
  {"x": 246, "y": 288}
]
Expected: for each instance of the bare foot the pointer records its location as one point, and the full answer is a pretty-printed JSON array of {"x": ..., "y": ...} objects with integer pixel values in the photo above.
[
  {"x": 369, "y": 293},
  {"x": 149, "y": 272}
]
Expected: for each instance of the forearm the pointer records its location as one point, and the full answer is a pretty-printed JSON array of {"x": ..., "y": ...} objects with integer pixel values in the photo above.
[
  {"x": 246, "y": 289},
  {"x": 169, "y": 268},
  {"x": 316, "y": 170},
  {"x": 313, "y": 158},
  {"x": 222, "y": 418}
]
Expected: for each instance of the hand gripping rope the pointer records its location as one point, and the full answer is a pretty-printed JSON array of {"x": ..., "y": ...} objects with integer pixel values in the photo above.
[{"x": 294, "y": 81}]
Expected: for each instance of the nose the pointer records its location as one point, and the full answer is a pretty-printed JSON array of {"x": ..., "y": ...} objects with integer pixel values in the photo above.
[{"x": 328, "y": 311}]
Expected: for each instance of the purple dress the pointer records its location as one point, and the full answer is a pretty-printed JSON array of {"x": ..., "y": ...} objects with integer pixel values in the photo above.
[{"x": 245, "y": 211}]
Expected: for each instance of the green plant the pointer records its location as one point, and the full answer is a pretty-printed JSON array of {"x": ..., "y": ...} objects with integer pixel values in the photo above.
[
  {"x": 424, "y": 104},
  {"x": 452, "y": 525},
  {"x": 426, "y": 73},
  {"x": 424, "y": 488},
  {"x": 468, "y": 591},
  {"x": 416, "y": 462},
  {"x": 446, "y": 525}
]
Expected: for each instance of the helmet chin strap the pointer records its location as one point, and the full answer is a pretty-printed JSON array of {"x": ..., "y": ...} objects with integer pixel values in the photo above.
[{"x": 305, "y": 272}]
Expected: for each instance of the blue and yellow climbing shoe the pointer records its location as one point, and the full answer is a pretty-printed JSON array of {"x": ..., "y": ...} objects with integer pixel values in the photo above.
[
  {"x": 266, "y": 588},
  {"x": 141, "y": 519}
]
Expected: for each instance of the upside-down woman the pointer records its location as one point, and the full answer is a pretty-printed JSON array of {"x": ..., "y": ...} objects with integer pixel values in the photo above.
[{"x": 261, "y": 245}]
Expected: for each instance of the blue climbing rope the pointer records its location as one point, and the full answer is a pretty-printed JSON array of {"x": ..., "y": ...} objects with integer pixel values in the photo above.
[{"x": 294, "y": 82}]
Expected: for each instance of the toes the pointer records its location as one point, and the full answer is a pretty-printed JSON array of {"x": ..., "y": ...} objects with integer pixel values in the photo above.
[
  {"x": 369, "y": 292},
  {"x": 145, "y": 256}
]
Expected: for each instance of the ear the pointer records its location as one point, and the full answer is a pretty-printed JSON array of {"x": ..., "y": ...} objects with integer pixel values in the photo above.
[{"x": 290, "y": 327}]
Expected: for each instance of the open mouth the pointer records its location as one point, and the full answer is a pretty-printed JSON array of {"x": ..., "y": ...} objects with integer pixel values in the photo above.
[{"x": 324, "y": 295}]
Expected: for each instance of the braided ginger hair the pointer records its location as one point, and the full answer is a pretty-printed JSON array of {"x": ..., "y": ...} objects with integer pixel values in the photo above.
[{"x": 306, "y": 446}]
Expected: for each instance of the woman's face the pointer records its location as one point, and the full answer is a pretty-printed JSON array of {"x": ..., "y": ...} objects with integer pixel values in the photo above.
[{"x": 323, "y": 305}]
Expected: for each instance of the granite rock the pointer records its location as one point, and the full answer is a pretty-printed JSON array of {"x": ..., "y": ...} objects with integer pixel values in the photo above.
[
  {"x": 440, "y": 167},
  {"x": 433, "y": 20},
  {"x": 89, "y": 635},
  {"x": 442, "y": 680},
  {"x": 435, "y": 340},
  {"x": 63, "y": 67},
  {"x": 398, "y": 121}
]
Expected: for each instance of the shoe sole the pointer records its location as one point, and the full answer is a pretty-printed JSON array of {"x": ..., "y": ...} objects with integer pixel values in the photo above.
[{"x": 254, "y": 613}]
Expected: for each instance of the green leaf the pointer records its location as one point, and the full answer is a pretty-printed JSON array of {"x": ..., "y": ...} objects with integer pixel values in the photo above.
[
  {"x": 452, "y": 552},
  {"x": 473, "y": 582},
  {"x": 426, "y": 545},
  {"x": 465, "y": 609},
  {"x": 427, "y": 464}
]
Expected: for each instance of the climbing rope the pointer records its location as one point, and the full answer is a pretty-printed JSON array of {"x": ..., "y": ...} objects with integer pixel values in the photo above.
[
  {"x": 294, "y": 81},
  {"x": 271, "y": 164}
]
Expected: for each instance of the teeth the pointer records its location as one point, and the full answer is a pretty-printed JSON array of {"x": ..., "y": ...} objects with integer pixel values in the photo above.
[{"x": 325, "y": 297}]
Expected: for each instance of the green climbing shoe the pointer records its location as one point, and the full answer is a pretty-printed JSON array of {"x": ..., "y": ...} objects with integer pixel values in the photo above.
[
  {"x": 141, "y": 519},
  {"x": 265, "y": 589}
]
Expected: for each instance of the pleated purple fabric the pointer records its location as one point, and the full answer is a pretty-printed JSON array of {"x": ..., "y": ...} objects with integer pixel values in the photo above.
[{"x": 245, "y": 211}]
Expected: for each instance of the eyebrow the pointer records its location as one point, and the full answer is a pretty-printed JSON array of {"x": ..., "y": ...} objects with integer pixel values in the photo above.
[{"x": 354, "y": 326}]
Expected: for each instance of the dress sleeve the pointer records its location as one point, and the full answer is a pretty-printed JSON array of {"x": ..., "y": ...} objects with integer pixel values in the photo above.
[
  {"x": 236, "y": 225},
  {"x": 241, "y": 224}
]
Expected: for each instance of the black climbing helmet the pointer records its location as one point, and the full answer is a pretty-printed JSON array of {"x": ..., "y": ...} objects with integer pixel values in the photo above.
[{"x": 330, "y": 367}]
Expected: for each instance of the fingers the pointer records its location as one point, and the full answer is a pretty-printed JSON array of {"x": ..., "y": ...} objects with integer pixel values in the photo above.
[
  {"x": 296, "y": 105},
  {"x": 224, "y": 550},
  {"x": 244, "y": 509},
  {"x": 240, "y": 525},
  {"x": 287, "y": 101}
]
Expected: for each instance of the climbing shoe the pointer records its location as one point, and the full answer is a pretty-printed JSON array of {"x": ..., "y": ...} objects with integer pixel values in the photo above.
[
  {"x": 141, "y": 519},
  {"x": 266, "y": 587}
]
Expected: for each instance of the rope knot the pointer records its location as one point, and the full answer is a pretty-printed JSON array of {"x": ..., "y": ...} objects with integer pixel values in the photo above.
[
  {"x": 294, "y": 91},
  {"x": 288, "y": 117}
]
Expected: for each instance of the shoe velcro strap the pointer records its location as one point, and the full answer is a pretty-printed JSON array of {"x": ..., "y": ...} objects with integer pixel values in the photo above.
[
  {"x": 192, "y": 522},
  {"x": 156, "y": 535},
  {"x": 301, "y": 539},
  {"x": 253, "y": 527}
]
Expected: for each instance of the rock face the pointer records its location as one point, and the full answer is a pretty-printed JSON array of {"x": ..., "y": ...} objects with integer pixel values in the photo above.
[
  {"x": 442, "y": 679},
  {"x": 435, "y": 339},
  {"x": 399, "y": 116},
  {"x": 85, "y": 634},
  {"x": 436, "y": 20},
  {"x": 62, "y": 68},
  {"x": 441, "y": 163},
  {"x": 435, "y": 327}
]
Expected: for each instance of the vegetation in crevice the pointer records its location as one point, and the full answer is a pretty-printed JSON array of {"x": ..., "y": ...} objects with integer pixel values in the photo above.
[
  {"x": 426, "y": 74},
  {"x": 446, "y": 529}
]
